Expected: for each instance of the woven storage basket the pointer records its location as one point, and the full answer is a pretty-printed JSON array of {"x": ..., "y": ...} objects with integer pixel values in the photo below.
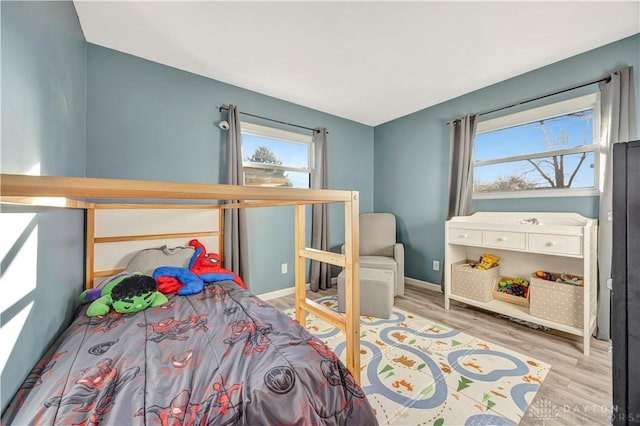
[
  {"x": 473, "y": 283},
  {"x": 506, "y": 297},
  {"x": 557, "y": 302}
]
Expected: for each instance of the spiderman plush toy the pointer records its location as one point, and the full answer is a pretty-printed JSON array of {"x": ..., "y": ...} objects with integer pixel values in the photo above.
[{"x": 203, "y": 268}]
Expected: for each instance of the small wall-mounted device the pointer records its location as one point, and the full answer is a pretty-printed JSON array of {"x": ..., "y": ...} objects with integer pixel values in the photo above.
[{"x": 224, "y": 125}]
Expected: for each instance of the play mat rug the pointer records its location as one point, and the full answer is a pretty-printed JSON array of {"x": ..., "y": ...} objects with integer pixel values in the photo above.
[{"x": 417, "y": 372}]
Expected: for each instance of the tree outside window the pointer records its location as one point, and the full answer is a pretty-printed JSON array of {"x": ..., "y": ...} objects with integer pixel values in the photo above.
[{"x": 265, "y": 177}]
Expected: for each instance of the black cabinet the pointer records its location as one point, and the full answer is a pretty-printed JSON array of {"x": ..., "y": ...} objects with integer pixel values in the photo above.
[{"x": 625, "y": 299}]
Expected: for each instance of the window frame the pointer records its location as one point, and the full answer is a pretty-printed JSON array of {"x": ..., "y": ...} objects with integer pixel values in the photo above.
[
  {"x": 569, "y": 106},
  {"x": 281, "y": 136}
]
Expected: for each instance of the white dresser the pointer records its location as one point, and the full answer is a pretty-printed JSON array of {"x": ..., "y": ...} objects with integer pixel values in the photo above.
[{"x": 561, "y": 242}]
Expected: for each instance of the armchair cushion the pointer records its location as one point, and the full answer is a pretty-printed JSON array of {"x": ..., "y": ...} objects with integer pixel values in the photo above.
[
  {"x": 388, "y": 264},
  {"x": 377, "y": 262},
  {"x": 377, "y": 234}
]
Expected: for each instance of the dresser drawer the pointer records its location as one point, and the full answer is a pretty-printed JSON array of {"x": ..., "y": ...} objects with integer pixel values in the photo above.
[
  {"x": 505, "y": 239},
  {"x": 556, "y": 244},
  {"x": 467, "y": 237}
]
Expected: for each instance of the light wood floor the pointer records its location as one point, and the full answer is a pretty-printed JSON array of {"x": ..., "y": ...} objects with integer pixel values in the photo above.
[{"x": 578, "y": 388}]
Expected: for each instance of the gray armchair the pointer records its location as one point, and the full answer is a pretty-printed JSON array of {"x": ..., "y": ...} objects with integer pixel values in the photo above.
[{"x": 378, "y": 246}]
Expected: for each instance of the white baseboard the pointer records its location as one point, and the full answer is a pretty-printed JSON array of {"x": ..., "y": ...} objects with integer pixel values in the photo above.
[
  {"x": 279, "y": 293},
  {"x": 423, "y": 284},
  {"x": 418, "y": 283},
  {"x": 291, "y": 290}
]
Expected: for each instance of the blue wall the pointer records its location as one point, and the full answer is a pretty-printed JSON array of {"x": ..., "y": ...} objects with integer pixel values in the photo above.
[
  {"x": 43, "y": 132},
  {"x": 150, "y": 121},
  {"x": 412, "y": 153}
]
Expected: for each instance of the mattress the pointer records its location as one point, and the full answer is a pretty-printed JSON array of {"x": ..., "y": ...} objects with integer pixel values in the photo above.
[{"x": 219, "y": 357}]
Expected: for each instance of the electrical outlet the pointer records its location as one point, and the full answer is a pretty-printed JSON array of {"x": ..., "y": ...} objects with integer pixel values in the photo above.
[
  {"x": 436, "y": 265},
  {"x": 283, "y": 268}
]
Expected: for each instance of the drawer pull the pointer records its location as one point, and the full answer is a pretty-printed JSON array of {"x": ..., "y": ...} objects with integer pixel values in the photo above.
[
  {"x": 551, "y": 244},
  {"x": 502, "y": 239},
  {"x": 464, "y": 235}
]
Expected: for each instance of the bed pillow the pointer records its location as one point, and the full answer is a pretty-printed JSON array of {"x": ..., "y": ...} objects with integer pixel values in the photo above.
[{"x": 147, "y": 260}]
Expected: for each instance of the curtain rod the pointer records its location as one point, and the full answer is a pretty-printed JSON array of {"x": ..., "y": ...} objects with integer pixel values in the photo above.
[
  {"x": 222, "y": 108},
  {"x": 568, "y": 89}
]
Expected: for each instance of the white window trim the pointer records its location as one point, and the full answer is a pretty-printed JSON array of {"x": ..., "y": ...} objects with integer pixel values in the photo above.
[
  {"x": 575, "y": 150},
  {"x": 540, "y": 113},
  {"x": 581, "y": 103},
  {"x": 273, "y": 133},
  {"x": 268, "y": 166},
  {"x": 279, "y": 135},
  {"x": 537, "y": 193}
]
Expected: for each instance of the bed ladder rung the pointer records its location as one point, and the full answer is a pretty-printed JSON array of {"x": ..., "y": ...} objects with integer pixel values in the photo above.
[
  {"x": 323, "y": 256},
  {"x": 332, "y": 317}
]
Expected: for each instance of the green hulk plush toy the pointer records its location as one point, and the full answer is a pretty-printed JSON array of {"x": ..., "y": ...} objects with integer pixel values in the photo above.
[{"x": 125, "y": 293}]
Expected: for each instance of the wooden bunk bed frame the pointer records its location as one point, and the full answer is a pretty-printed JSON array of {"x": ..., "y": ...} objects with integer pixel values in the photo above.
[
  {"x": 112, "y": 226},
  {"x": 72, "y": 192}
]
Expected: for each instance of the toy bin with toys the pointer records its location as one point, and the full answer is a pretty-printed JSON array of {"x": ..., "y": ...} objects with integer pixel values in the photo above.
[
  {"x": 512, "y": 290},
  {"x": 474, "y": 279},
  {"x": 557, "y": 297}
]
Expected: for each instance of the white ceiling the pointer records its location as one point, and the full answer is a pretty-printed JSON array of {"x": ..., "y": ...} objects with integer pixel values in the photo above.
[{"x": 370, "y": 62}]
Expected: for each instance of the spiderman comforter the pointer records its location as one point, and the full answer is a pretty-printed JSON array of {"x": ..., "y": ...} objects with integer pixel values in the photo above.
[{"x": 219, "y": 357}]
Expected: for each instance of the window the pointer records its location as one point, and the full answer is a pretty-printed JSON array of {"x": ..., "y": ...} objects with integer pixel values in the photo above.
[
  {"x": 273, "y": 157},
  {"x": 543, "y": 152}
]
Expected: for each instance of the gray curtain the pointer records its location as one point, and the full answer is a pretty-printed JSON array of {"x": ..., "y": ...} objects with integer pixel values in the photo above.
[
  {"x": 461, "y": 158},
  {"x": 617, "y": 124},
  {"x": 320, "y": 272},
  {"x": 236, "y": 258}
]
